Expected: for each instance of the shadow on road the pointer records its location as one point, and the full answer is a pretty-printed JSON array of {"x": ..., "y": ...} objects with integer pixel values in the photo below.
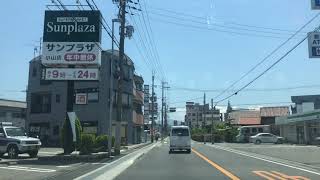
[{"x": 179, "y": 152}]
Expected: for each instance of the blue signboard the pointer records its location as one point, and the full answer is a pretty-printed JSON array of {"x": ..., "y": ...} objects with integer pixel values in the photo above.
[
  {"x": 315, "y": 4},
  {"x": 314, "y": 44}
]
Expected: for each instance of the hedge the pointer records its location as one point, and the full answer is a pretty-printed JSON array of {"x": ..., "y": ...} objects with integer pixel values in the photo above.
[{"x": 87, "y": 143}]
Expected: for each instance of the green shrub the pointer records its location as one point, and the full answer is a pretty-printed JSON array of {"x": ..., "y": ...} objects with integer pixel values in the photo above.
[
  {"x": 66, "y": 136},
  {"x": 101, "y": 142},
  {"x": 87, "y": 143}
]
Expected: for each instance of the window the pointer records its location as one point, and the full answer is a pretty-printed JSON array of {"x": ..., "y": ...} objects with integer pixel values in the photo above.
[
  {"x": 180, "y": 132},
  {"x": 193, "y": 114},
  {"x": 34, "y": 71},
  {"x": 246, "y": 130},
  {"x": 16, "y": 115},
  {"x": 56, "y": 130},
  {"x": 266, "y": 135},
  {"x": 254, "y": 130},
  {"x": 93, "y": 97},
  {"x": 57, "y": 98},
  {"x": 40, "y": 103},
  {"x": 3, "y": 114},
  {"x": 139, "y": 109},
  {"x": 260, "y": 130}
]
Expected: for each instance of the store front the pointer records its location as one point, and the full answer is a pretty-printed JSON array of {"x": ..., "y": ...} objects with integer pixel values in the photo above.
[{"x": 302, "y": 128}]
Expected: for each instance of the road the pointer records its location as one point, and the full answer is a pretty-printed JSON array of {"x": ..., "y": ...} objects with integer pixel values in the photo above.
[
  {"x": 213, "y": 162},
  {"x": 206, "y": 161}
]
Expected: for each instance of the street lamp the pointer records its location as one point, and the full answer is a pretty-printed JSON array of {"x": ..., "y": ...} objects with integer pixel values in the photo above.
[{"x": 111, "y": 90}]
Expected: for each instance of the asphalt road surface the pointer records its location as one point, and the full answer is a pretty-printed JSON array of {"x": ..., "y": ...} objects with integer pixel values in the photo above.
[{"x": 213, "y": 162}]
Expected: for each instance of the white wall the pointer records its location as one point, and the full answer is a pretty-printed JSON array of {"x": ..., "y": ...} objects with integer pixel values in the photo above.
[{"x": 307, "y": 106}]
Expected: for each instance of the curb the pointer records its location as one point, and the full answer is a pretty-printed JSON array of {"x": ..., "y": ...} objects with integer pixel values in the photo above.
[{"x": 74, "y": 158}]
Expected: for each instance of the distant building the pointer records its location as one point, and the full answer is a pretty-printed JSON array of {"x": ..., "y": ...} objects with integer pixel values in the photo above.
[
  {"x": 13, "y": 111},
  {"x": 198, "y": 115},
  {"x": 46, "y": 102},
  {"x": 244, "y": 117},
  {"x": 303, "y": 126}
]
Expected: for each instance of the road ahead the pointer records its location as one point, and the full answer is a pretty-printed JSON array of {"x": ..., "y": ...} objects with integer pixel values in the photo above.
[{"x": 213, "y": 162}]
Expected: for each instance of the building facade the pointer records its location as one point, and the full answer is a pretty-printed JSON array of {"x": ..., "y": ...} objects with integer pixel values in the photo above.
[
  {"x": 198, "y": 115},
  {"x": 244, "y": 117},
  {"x": 13, "y": 111},
  {"x": 303, "y": 125},
  {"x": 47, "y": 100}
]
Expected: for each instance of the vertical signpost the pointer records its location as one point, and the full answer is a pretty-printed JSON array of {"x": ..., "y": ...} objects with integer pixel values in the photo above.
[{"x": 71, "y": 49}]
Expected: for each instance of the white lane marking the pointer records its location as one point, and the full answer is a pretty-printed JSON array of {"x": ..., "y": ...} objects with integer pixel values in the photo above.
[
  {"x": 63, "y": 166},
  {"x": 21, "y": 168},
  {"x": 111, "y": 174},
  {"x": 267, "y": 160},
  {"x": 44, "y": 152},
  {"x": 99, "y": 163}
]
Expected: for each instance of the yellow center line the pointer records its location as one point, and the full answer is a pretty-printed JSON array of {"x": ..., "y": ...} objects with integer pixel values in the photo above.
[
  {"x": 227, "y": 173},
  {"x": 290, "y": 177},
  {"x": 267, "y": 175}
]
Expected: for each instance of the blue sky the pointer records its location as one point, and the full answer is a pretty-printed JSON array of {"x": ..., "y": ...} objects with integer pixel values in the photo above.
[{"x": 200, "y": 57}]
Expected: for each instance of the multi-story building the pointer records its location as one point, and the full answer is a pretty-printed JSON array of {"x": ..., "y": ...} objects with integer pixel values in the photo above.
[
  {"x": 303, "y": 125},
  {"x": 47, "y": 101},
  {"x": 13, "y": 111},
  {"x": 200, "y": 115},
  {"x": 138, "y": 119}
]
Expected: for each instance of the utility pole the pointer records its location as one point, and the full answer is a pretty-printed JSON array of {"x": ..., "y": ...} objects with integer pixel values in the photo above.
[
  {"x": 111, "y": 89},
  {"x": 152, "y": 109},
  {"x": 162, "y": 88},
  {"x": 165, "y": 118},
  {"x": 122, "y": 17},
  {"x": 212, "y": 111},
  {"x": 204, "y": 117}
]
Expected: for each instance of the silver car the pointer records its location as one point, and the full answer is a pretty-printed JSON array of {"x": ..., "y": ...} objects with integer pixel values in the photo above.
[
  {"x": 266, "y": 138},
  {"x": 14, "y": 141}
]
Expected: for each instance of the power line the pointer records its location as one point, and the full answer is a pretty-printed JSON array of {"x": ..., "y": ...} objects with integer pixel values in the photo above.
[
  {"x": 176, "y": 102},
  {"x": 104, "y": 21},
  {"x": 251, "y": 90},
  {"x": 152, "y": 39},
  {"x": 252, "y": 104},
  {"x": 147, "y": 50},
  {"x": 267, "y": 57},
  {"x": 216, "y": 30},
  {"x": 149, "y": 40},
  {"x": 265, "y": 71},
  {"x": 224, "y": 22},
  {"x": 221, "y": 26}
]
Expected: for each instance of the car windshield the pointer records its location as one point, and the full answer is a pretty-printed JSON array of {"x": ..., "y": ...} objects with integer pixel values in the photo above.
[
  {"x": 180, "y": 132},
  {"x": 186, "y": 79},
  {"x": 15, "y": 131}
]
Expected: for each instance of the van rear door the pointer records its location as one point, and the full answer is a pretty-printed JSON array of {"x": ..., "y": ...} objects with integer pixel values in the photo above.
[{"x": 180, "y": 137}]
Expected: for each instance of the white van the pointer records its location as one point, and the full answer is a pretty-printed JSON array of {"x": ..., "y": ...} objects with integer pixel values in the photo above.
[{"x": 180, "y": 138}]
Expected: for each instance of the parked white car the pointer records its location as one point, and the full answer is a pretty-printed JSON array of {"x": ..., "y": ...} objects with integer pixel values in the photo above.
[{"x": 266, "y": 138}]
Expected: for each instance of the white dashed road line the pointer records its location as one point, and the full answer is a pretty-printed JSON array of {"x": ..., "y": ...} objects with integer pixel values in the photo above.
[{"x": 21, "y": 168}]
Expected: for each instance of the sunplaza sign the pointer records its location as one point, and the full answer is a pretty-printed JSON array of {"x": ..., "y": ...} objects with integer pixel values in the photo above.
[{"x": 71, "y": 37}]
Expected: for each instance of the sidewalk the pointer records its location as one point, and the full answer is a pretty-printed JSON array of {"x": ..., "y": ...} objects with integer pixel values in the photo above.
[{"x": 52, "y": 154}]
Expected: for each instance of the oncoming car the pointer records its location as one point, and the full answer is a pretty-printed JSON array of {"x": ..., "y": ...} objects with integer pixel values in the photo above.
[
  {"x": 266, "y": 138},
  {"x": 14, "y": 141},
  {"x": 180, "y": 139}
]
